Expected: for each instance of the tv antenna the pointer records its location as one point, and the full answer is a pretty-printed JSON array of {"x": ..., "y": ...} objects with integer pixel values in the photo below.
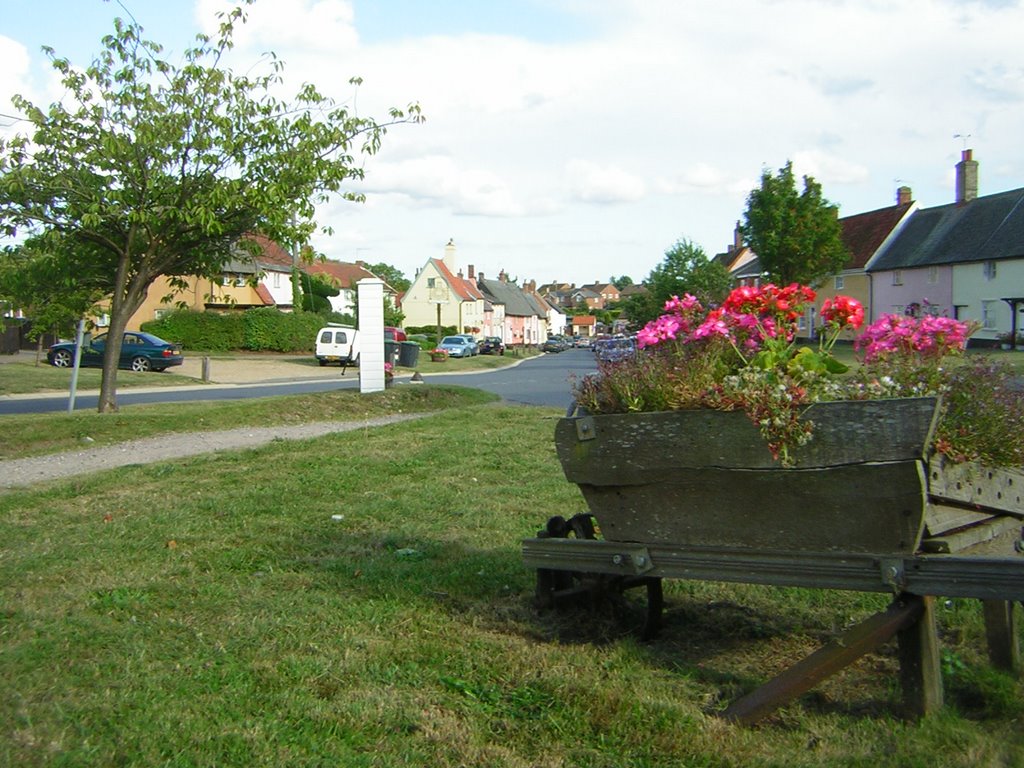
[{"x": 964, "y": 136}]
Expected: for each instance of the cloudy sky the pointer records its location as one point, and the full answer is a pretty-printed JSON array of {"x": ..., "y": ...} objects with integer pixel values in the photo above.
[{"x": 574, "y": 140}]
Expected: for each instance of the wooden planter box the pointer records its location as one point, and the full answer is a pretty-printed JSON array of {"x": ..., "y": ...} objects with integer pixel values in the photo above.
[{"x": 706, "y": 478}]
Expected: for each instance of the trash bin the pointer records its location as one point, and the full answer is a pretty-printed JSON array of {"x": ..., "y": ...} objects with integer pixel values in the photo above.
[
  {"x": 391, "y": 352},
  {"x": 408, "y": 354}
]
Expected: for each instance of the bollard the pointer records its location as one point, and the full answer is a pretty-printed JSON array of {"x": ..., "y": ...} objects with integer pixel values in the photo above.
[{"x": 206, "y": 370}]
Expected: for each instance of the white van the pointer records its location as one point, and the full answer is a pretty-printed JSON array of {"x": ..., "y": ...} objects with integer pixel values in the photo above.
[{"x": 336, "y": 343}]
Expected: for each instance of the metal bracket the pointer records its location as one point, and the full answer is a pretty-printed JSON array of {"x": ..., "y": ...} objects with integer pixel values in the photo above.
[
  {"x": 639, "y": 559},
  {"x": 893, "y": 574},
  {"x": 585, "y": 429}
]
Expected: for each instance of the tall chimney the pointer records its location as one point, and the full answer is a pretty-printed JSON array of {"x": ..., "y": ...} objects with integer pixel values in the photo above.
[
  {"x": 470, "y": 272},
  {"x": 737, "y": 238},
  {"x": 449, "y": 255},
  {"x": 904, "y": 196},
  {"x": 966, "y": 178}
]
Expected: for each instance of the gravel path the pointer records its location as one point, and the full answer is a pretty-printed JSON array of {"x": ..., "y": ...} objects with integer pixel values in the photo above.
[{"x": 18, "y": 473}]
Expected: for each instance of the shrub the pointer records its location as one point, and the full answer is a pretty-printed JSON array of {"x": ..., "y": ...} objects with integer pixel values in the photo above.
[
  {"x": 270, "y": 330},
  {"x": 203, "y": 331}
]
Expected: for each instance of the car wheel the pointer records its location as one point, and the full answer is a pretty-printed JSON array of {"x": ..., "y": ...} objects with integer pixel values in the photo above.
[
  {"x": 140, "y": 364},
  {"x": 62, "y": 358}
]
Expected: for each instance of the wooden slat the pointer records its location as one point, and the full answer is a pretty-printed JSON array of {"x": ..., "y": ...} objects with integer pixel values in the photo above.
[
  {"x": 622, "y": 448},
  {"x": 836, "y": 655},
  {"x": 920, "y": 662},
  {"x": 941, "y": 518},
  {"x": 977, "y": 486},
  {"x": 855, "y": 508},
  {"x": 991, "y": 528}
]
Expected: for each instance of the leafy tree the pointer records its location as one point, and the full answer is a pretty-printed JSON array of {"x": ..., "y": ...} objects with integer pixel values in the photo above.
[
  {"x": 150, "y": 168},
  {"x": 796, "y": 236},
  {"x": 621, "y": 282},
  {"x": 37, "y": 282},
  {"x": 316, "y": 293},
  {"x": 686, "y": 268},
  {"x": 390, "y": 275}
]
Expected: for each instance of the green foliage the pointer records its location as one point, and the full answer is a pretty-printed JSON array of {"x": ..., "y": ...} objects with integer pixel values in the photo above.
[
  {"x": 36, "y": 280},
  {"x": 686, "y": 268},
  {"x": 204, "y": 331},
  {"x": 621, "y": 282},
  {"x": 270, "y": 330},
  {"x": 148, "y": 168},
  {"x": 390, "y": 275},
  {"x": 256, "y": 330},
  {"x": 316, "y": 290},
  {"x": 797, "y": 236},
  {"x": 431, "y": 330}
]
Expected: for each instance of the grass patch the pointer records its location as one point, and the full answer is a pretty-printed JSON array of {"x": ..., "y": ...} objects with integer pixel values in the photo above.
[
  {"x": 21, "y": 378},
  {"x": 215, "y": 611},
  {"x": 38, "y": 434}
]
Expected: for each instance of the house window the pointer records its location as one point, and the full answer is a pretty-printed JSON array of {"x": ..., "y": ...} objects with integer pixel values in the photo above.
[
  {"x": 933, "y": 275},
  {"x": 431, "y": 282},
  {"x": 990, "y": 271},
  {"x": 897, "y": 277},
  {"x": 277, "y": 279},
  {"x": 988, "y": 315},
  {"x": 840, "y": 282},
  {"x": 160, "y": 314}
]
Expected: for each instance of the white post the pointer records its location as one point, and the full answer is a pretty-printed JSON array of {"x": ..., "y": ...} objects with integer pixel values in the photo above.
[{"x": 371, "y": 334}]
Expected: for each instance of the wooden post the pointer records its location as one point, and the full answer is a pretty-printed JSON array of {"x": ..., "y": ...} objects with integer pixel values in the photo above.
[
  {"x": 1001, "y": 631},
  {"x": 840, "y": 653},
  {"x": 920, "y": 669}
]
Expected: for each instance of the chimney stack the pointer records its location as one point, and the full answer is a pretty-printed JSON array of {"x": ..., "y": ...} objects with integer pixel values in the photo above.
[
  {"x": 966, "y": 178},
  {"x": 470, "y": 272},
  {"x": 903, "y": 196},
  {"x": 449, "y": 255},
  {"x": 737, "y": 238}
]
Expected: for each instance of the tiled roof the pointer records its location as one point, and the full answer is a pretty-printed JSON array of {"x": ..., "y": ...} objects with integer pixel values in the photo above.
[
  {"x": 517, "y": 302},
  {"x": 863, "y": 233},
  {"x": 272, "y": 253},
  {"x": 264, "y": 294},
  {"x": 345, "y": 275},
  {"x": 987, "y": 228},
  {"x": 466, "y": 290}
]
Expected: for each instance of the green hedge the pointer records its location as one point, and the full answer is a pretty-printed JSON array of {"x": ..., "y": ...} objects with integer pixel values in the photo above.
[{"x": 254, "y": 330}]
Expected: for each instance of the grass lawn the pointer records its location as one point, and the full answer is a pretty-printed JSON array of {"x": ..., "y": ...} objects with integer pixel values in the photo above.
[
  {"x": 21, "y": 378},
  {"x": 359, "y": 600}
]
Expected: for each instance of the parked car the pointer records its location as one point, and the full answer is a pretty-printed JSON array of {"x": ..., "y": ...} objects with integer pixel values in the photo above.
[
  {"x": 139, "y": 352},
  {"x": 457, "y": 346},
  {"x": 473, "y": 342},
  {"x": 583, "y": 342},
  {"x": 394, "y": 334},
  {"x": 615, "y": 350},
  {"x": 554, "y": 344},
  {"x": 337, "y": 343},
  {"x": 492, "y": 345}
]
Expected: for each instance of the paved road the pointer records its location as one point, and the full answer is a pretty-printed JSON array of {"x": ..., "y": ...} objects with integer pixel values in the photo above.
[{"x": 542, "y": 380}]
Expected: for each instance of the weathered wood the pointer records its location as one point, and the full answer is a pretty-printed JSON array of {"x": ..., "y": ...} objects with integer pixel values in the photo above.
[
  {"x": 1000, "y": 578},
  {"x": 836, "y": 655},
  {"x": 624, "y": 448},
  {"x": 940, "y": 518},
  {"x": 706, "y": 477},
  {"x": 854, "y": 508},
  {"x": 974, "y": 485},
  {"x": 920, "y": 668},
  {"x": 958, "y": 541},
  {"x": 1001, "y": 632}
]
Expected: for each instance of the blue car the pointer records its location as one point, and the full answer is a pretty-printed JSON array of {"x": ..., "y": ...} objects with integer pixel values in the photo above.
[
  {"x": 457, "y": 346},
  {"x": 615, "y": 350},
  {"x": 139, "y": 352}
]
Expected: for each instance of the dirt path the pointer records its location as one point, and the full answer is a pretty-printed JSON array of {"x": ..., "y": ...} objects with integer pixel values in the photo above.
[{"x": 19, "y": 473}]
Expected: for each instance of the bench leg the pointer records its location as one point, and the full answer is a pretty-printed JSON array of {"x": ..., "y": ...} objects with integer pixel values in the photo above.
[
  {"x": 920, "y": 667},
  {"x": 1001, "y": 630}
]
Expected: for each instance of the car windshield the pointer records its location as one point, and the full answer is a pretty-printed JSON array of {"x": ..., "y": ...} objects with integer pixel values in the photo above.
[{"x": 453, "y": 340}]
